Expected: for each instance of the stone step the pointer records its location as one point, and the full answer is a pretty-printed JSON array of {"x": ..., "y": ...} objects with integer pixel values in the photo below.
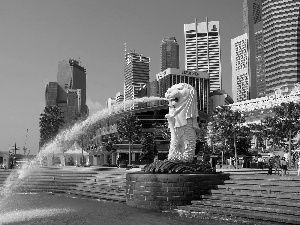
[
  {"x": 257, "y": 197},
  {"x": 41, "y": 190},
  {"x": 217, "y": 210},
  {"x": 249, "y": 207},
  {"x": 263, "y": 177},
  {"x": 275, "y": 182},
  {"x": 283, "y": 196},
  {"x": 258, "y": 188},
  {"x": 256, "y": 200},
  {"x": 101, "y": 187},
  {"x": 47, "y": 185}
]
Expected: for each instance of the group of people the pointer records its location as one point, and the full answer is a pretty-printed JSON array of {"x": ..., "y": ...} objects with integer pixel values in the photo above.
[{"x": 280, "y": 165}]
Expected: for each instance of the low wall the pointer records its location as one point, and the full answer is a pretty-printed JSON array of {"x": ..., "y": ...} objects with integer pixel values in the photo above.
[{"x": 167, "y": 191}]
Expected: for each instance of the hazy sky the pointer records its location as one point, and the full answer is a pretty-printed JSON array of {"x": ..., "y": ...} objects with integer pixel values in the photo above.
[{"x": 36, "y": 34}]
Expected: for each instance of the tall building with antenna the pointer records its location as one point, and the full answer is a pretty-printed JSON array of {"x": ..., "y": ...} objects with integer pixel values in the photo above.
[
  {"x": 202, "y": 50},
  {"x": 136, "y": 74},
  {"x": 169, "y": 53}
]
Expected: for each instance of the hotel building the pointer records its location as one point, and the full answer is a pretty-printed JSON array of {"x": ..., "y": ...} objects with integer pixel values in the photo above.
[{"x": 202, "y": 50}]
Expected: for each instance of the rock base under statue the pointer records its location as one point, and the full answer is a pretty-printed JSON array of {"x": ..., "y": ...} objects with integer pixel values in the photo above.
[
  {"x": 167, "y": 191},
  {"x": 171, "y": 166}
]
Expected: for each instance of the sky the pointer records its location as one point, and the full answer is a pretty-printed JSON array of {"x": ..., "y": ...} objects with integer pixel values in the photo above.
[{"x": 36, "y": 34}]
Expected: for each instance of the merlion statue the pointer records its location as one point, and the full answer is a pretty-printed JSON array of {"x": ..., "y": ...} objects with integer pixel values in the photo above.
[{"x": 182, "y": 119}]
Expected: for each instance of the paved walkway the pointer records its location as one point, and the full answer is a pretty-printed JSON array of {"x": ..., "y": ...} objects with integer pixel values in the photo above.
[
  {"x": 53, "y": 209},
  {"x": 45, "y": 209}
]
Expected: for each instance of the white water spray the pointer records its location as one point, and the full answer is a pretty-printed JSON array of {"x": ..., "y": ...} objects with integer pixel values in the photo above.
[{"x": 61, "y": 142}]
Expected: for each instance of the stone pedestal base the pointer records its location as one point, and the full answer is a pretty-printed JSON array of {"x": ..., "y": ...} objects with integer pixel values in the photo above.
[{"x": 167, "y": 191}]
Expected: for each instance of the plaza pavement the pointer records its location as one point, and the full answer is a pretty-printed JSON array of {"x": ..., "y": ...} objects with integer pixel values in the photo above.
[{"x": 79, "y": 210}]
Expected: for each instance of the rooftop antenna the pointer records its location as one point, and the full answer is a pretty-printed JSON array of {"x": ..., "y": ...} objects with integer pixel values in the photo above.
[
  {"x": 125, "y": 50},
  {"x": 196, "y": 31},
  {"x": 79, "y": 62}
]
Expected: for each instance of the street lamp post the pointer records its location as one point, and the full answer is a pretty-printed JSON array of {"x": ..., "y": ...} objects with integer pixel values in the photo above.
[{"x": 82, "y": 150}]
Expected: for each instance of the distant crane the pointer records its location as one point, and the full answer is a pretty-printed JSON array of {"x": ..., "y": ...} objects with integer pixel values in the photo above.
[{"x": 25, "y": 147}]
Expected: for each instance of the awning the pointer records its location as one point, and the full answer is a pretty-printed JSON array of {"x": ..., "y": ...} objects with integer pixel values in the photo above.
[{"x": 76, "y": 150}]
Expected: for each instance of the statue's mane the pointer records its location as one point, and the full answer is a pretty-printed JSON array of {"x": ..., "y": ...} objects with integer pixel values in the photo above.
[{"x": 187, "y": 109}]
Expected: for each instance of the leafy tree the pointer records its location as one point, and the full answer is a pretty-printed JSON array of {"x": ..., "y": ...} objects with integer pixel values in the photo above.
[
  {"x": 51, "y": 120},
  {"x": 228, "y": 124},
  {"x": 286, "y": 123},
  {"x": 202, "y": 139},
  {"x": 129, "y": 128},
  {"x": 202, "y": 133},
  {"x": 273, "y": 131},
  {"x": 162, "y": 130},
  {"x": 148, "y": 147},
  {"x": 112, "y": 143},
  {"x": 259, "y": 130}
]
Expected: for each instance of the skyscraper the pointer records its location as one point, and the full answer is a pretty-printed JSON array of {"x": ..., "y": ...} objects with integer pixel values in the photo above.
[
  {"x": 281, "y": 31},
  {"x": 240, "y": 68},
  {"x": 202, "y": 50},
  {"x": 169, "y": 53},
  {"x": 136, "y": 74},
  {"x": 69, "y": 92},
  {"x": 253, "y": 25}
]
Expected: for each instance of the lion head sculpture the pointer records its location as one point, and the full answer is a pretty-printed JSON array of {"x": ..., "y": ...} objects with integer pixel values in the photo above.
[{"x": 182, "y": 99}]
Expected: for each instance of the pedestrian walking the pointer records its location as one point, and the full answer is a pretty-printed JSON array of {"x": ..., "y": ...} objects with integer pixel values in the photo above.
[
  {"x": 270, "y": 166},
  {"x": 283, "y": 166},
  {"x": 298, "y": 167},
  {"x": 277, "y": 165}
]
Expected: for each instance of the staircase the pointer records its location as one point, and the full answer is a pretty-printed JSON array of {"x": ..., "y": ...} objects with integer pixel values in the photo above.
[
  {"x": 104, "y": 187},
  {"x": 258, "y": 197},
  {"x": 45, "y": 179},
  {"x": 79, "y": 182}
]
